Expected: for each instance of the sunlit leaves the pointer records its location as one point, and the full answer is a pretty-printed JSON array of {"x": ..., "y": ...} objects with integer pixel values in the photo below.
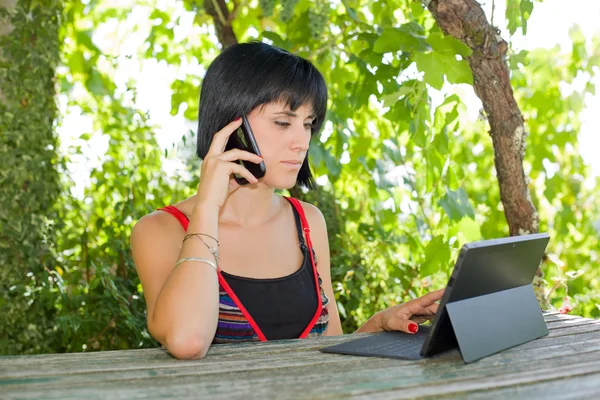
[
  {"x": 448, "y": 45},
  {"x": 517, "y": 14},
  {"x": 469, "y": 230},
  {"x": 437, "y": 256},
  {"x": 442, "y": 61}
]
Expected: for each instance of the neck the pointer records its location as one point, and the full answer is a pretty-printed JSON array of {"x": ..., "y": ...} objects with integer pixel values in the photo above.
[{"x": 250, "y": 206}]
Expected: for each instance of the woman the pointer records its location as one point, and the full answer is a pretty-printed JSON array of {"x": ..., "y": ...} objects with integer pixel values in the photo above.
[{"x": 236, "y": 263}]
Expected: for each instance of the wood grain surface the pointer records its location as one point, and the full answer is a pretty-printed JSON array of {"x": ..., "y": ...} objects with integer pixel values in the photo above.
[{"x": 565, "y": 364}]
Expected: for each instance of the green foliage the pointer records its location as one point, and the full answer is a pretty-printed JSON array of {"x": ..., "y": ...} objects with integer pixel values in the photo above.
[
  {"x": 103, "y": 307},
  {"x": 29, "y": 178},
  {"x": 288, "y": 10},
  {"x": 568, "y": 197},
  {"x": 456, "y": 204},
  {"x": 318, "y": 16},
  {"x": 517, "y": 14},
  {"x": 267, "y": 6},
  {"x": 405, "y": 178}
]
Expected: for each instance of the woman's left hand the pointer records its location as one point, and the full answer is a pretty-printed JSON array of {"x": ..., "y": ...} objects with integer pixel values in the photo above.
[{"x": 405, "y": 317}]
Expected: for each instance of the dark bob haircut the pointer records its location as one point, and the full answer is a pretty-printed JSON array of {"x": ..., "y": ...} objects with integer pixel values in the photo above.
[{"x": 248, "y": 75}]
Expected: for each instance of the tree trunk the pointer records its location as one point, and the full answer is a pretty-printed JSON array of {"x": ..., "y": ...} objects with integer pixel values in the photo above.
[
  {"x": 218, "y": 10},
  {"x": 29, "y": 180},
  {"x": 466, "y": 21}
]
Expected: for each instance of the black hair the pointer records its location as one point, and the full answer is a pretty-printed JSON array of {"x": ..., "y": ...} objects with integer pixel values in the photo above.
[{"x": 245, "y": 76}]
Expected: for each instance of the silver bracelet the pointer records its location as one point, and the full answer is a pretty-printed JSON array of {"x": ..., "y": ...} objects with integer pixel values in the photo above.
[
  {"x": 202, "y": 260},
  {"x": 213, "y": 250}
]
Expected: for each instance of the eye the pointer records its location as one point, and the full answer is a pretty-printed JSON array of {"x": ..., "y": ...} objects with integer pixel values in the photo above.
[
  {"x": 282, "y": 124},
  {"x": 309, "y": 125}
]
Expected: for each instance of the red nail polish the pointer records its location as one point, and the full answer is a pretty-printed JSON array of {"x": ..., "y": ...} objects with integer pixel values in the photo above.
[
  {"x": 413, "y": 328},
  {"x": 237, "y": 119}
]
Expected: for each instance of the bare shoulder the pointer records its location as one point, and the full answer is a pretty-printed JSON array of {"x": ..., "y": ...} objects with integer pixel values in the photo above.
[
  {"x": 156, "y": 227},
  {"x": 315, "y": 217}
]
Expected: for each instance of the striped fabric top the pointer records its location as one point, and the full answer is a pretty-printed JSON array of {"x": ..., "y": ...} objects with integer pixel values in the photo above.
[{"x": 235, "y": 324}]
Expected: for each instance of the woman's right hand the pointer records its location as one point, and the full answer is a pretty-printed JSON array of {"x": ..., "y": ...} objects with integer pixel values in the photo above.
[{"x": 218, "y": 167}]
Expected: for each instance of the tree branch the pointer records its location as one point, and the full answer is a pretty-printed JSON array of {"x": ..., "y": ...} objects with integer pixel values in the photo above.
[
  {"x": 234, "y": 11},
  {"x": 466, "y": 21},
  {"x": 218, "y": 10},
  {"x": 222, "y": 19}
]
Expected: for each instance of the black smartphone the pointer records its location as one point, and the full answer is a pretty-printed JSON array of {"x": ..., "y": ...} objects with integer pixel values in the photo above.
[{"x": 243, "y": 139}]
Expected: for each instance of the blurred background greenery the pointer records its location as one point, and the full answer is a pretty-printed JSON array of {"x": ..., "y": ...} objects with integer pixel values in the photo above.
[{"x": 405, "y": 164}]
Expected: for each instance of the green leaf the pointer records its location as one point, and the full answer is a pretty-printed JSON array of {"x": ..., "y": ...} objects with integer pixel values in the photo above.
[
  {"x": 95, "y": 84},
  {"x": 77, "y": 63},
  {"x": 458, "y": 71},
  {"x": 390, "y": 99},
  {"x": 399, "y": 111},
  {"x": 522, "y": 57},
  {"x": 448, "y": 45},
  {"x": 457, "y": 205},
  {"x": 437, "y": 254},
  {"x": 85, "y": 38},
  {"x": 322, "y": 156},
  {"x": 469, "y": 230},
  {"x": 418, "y": 129},
  {"x": 408, "y": 37},
  {"x": 435, "y": 65},
  {"x": 432, "y": 65},
  {"x": 513, "y": 15},
  {"x": 351, "y": 12},
  {"x": 517, "y": 14},
  {"x": 526, "y": 7},
  {"x": 440, "y": 142}
]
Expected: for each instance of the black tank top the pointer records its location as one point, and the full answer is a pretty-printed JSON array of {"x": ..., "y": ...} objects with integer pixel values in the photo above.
[{"x": 281, "y": 307}]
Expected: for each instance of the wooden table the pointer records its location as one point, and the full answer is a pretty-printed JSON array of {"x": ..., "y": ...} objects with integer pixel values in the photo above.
[{"x": 563, "y": 365}]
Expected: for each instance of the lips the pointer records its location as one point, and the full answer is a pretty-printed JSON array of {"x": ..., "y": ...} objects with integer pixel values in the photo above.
[
  {"x": 292, "y": 165},
  {"x": 292, "y": 162}
]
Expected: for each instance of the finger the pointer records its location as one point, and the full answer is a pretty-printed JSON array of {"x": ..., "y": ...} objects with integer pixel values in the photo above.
[
  {"x": 238, "y": 169},
  {"x": 220, "y": 139},
  {"x": 233, "y": 185},
  {"x": 425, "y": 314},
  {"x": 402, "y": 325},
  {"x": 433, "y": 309},
  {"x": 416, "y": 307},
  {"x": 415, "y": 312},
  {"x": 237, "y": 154},
  {"x": 417, "y": 319},
  {"x": 430, "y": 309},
  {"x": 431, "y": 297}
]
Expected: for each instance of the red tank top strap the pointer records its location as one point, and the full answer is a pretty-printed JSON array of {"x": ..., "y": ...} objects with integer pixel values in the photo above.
[
  {"x": 174, "y": 211},
  {"x": 306, "y": 230}
]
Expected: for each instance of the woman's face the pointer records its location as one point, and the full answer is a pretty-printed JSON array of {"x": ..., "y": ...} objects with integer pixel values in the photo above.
[{"x": 283, "y": 137}]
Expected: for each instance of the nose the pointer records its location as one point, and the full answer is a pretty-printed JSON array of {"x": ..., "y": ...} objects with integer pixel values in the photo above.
[
  {"x": 299, "y": 145},
  {"x": 300, "y": 138}
]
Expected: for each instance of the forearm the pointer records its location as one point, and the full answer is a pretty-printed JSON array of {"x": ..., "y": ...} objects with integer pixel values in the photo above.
[
  {"x": 186, "y": 309},
  {"x": 373, "y": 324}
]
